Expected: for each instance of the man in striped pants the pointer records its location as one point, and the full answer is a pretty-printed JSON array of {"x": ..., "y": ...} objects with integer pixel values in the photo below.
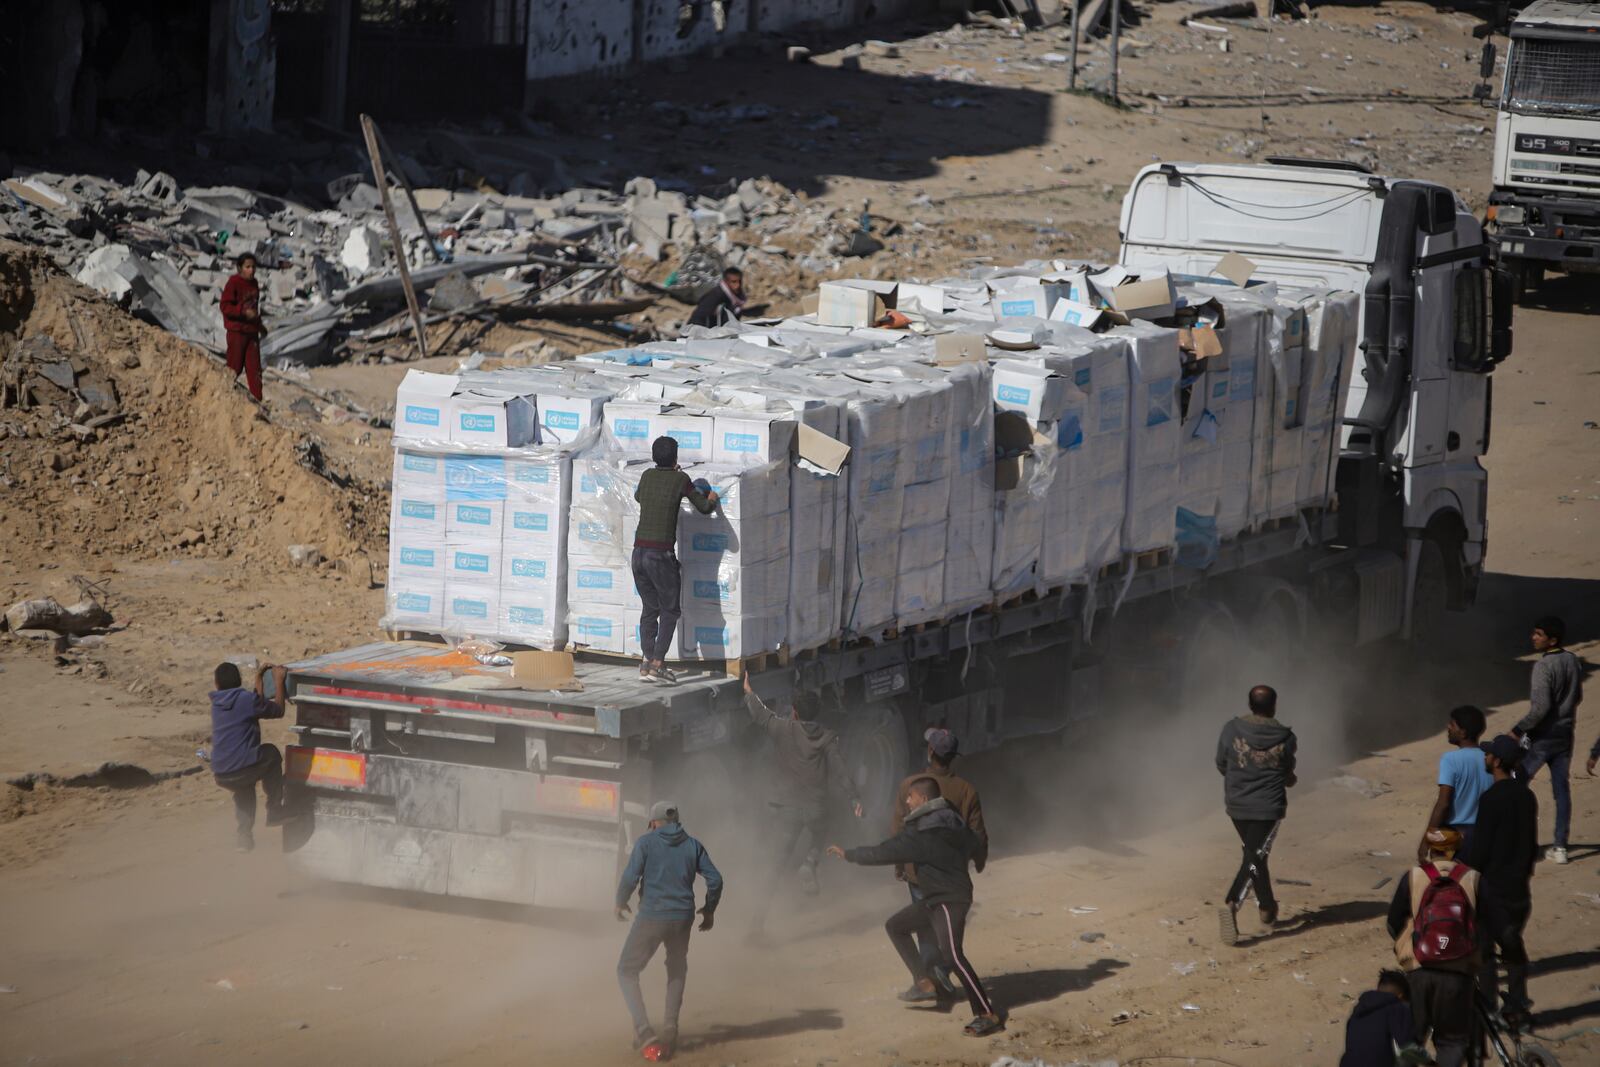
[{"x": 941, "y": 845}]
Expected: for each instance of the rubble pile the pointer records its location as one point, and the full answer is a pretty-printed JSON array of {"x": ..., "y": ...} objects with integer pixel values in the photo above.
[
  {"x": 331, "y": 287},
  {"x": 118, "y": 438}
]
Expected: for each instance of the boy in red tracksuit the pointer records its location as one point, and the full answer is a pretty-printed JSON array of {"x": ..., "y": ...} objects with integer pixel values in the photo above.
[{"x": 241, "y": 313}]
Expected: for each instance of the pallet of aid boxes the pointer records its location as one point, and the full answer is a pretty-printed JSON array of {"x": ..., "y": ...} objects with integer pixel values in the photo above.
[
  {"x": 478, "y": 513},
  {"x": 733, "y": 562}
]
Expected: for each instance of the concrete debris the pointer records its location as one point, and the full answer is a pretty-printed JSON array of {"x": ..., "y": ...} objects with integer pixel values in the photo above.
[
  {"x": 305, "y": 555},
  {"x": 46, "y": 613}
]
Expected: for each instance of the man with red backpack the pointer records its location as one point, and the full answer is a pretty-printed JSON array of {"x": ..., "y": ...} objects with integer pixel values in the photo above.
[{"x": 1433, "y": 920}]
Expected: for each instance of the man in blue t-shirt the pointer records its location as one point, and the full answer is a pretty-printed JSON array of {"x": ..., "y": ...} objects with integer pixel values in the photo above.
[{"x": 1462, "y": 777}]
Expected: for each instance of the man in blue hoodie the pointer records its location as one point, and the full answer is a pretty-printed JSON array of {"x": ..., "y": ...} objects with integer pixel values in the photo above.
[
  {"x": 662, "y": 869},
  {"x": 238, "y": 758}
]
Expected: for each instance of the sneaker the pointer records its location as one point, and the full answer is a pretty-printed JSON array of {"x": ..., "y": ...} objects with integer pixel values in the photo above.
[
  {"x": 278, "y": 814},
  {"x": 1556, "y": 854},
  {"x": 1228, "y": 920},
  {"x": 646, "y": 675},
  {"x": 244, "y": 843},
  {"x": 1269, "y": 916},
  {"x": 644, "y": 1037},
  {"x": 920, "y": 992},
  {"x": 665, "y": 675}
]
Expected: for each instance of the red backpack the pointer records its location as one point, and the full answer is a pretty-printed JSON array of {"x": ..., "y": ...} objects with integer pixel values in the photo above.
[{"x": 1444, "y": 929}]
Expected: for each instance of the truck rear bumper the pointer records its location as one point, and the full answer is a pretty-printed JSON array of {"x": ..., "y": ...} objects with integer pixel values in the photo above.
[
  {"x": 1568, "y": 254},
  {"x": 560, "y": 869}
]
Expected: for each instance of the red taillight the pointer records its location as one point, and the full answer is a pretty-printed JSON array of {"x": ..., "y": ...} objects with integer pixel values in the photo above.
[
  {"x": 325, "y": 767},
  {"x": 579, "y": 796}
]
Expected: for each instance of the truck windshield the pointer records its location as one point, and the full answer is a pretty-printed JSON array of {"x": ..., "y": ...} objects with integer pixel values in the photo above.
[{"x": 1553, "y": 76}]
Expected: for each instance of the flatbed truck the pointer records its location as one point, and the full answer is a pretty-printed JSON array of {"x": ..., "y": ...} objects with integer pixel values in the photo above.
[{"x": 419, "y": 771}]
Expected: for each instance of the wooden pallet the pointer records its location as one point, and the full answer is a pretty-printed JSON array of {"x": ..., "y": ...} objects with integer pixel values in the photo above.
[
  {"x": 732, "y": 668},
  {"x": 1156, "y": 557}
]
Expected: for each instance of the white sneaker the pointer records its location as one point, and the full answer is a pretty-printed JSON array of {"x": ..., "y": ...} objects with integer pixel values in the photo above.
[{"x": 1556, "y": 854}]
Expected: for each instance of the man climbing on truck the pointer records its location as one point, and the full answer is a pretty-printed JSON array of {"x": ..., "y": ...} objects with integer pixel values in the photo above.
[
  {"x": 656, "y": 572},
  {"x": 238, "y": 758},
  {"x": 662, "y": 870},
  {"x": 807, "y": 760}
]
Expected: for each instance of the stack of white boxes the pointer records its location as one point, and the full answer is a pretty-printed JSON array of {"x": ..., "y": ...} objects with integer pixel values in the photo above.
[
  {"x": 599, "y": 578},
  {"x": 1245, "y": 325},
  {"x": 1154, "y": 371},
  {"x": 1205, "y": 410},
  {"x": 1100, "y": 371},
  {"x": 1288, "y": 420},
  {"x": 736, "y": 562},
  {"x": 474, "y": 524},
  {"x": 969, "y": 532},
  {"x": 533, "y": 590},
  {"x": 416, "y": 541},
  {"x": 874, "y": 422},
  {"x": 1330, "y": 362}
]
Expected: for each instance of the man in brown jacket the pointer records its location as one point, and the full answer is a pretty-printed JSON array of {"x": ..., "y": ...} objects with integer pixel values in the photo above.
[{"x": 963, "y": 797}]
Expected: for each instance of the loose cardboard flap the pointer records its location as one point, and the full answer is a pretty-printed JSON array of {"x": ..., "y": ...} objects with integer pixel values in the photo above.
[{"x": 818, "y": 448}]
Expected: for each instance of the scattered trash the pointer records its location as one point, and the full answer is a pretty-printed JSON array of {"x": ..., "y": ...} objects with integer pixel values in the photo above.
[
  {"x": 1184, "y": 968},
  {"x": 1083, "y": 909},
  {"x": 1381, "y": 854},
  {"x": 224, "y": 985},
  {"x": 1191, "y": 1007},
  {"x": 1091, "y": 937},
  {"x": 1381, "y": 883}
]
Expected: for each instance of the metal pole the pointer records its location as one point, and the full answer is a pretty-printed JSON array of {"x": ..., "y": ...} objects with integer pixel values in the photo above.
[
  {"x": 1116, "y": 39},
  {"x": 370, "y": 131},
  {"x": 1077, "y": 32}
]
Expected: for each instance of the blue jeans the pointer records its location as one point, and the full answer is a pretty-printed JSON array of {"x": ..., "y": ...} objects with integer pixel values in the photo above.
[{"x": 1556, "y": 752}]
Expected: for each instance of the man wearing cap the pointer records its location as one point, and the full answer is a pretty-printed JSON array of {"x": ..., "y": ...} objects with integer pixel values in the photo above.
[
  {"x": 1548, "y": 728},
  {"x": 662, "y": 868},
  {"x": 808, "y": 760},
  {"x": 1441, "y": 993},
  {"x": 962, "y": 796},
  {"x": 1503, "y": 849}
]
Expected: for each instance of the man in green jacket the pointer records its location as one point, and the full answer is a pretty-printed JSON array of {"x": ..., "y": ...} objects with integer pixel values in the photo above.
[{"x": 656, "y": 573}]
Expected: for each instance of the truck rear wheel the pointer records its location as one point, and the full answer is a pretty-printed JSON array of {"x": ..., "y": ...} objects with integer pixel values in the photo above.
[{"x": 877, "y": 752}]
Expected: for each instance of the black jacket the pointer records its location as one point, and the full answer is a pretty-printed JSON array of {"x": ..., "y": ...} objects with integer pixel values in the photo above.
[
  {"x": 1380, "y": 1022},
  {"x": 714, "y": 309},
  {"x": 1255, "y": 756},
  {"x": 938, "y": 842},
  {"x": 1505, "y": 839},
  {"x": 807, "y": 755}
]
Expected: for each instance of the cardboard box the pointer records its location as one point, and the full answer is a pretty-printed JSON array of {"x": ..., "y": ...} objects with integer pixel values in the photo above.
[
  {"x": 564, "y": 414},
  {"x": 855, "y": 302},
  {"x": 422, "y": 406},
  {"x": 420, "y": 516},
  {"x": 416, "y": 557},
  {"x": 475, "y": 520},
  {"x": 475, "y": 477},
  {"x": 694, "y": 434},
  {"x": 533, "y": 522},
  {"x": 633, "y": 425},
  {"x": 928, "y": 299},
  {"x": 530, "y": 620},
  {"x": 951, "y": 348},
  {"x": 546, "y": 671},
  {"x": 493, "y": 419},
  {"x": 537, "y": 479},
  {"x": 415, "y": 602},
  {"x": 471, "y": 609},
  {"x": 821, "y": 451},
  {"x": 1236, "y": 268},
  {"x": 531, "y": 569},
  {"x": 1028, "y": 388},
  {"x": 477, "y": 561},
  {"x": 421, "y": 475},
  {"x": 1013, "y": 298},
  {"x": 1153, "y": 296},
  {"x": 751, "y": 438},
  {"x": 600, "y": 627},
  {"x": 1074, "y": 313},
  {"x": 591, "y": 582}
]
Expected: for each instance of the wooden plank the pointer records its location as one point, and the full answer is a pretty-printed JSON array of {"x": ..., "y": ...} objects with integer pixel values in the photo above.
[
  {"x": 369, "y": 130},
  {"x": 411, "y": 197}
]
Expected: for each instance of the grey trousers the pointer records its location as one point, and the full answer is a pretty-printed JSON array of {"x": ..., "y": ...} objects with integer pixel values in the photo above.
[{"x": 644, "y": 938}]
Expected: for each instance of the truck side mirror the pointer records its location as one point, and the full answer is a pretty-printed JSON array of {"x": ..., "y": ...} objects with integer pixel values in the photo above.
[
  {"x": 1486, "y": 63},
  {"x": 1502, "y": 298}
]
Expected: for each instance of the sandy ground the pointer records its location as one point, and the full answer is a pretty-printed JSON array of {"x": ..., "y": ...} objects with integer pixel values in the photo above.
[{"x": 132, "y": 934}]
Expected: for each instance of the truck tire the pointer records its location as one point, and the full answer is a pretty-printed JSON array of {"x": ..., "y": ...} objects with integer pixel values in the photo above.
[
  {"x": 877, "y": 753},
  {"x": 1430, "y": 618}
]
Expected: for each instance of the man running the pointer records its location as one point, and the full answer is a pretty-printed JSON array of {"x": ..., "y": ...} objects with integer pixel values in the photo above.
[
  {"x": 1255, "y": 756},
  {"x": 662, "y": 869},
  {"x": 943, "y": 747},
  {"x": 807, "y": 760},
  {"x": 941, "y": 845},
  {"x": 1548, "y": 728}
]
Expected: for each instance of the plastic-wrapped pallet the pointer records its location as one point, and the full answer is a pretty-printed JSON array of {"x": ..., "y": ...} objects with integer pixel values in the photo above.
[
  {"x": 873, "y": 421},
  {"x": 415, "y": 598},
  {"x": 1244, "y": 331},
  {"x": 533, "y": 592},
  {"x": 1288, "y": 353},
  {"x": 1330, "y": 362},
  {"x": 969, "y": 532},
  {"x": 1064, "y": 551},
  {"x": 736, "y": 563},
  {"x": 1099, "y": 365},
  {"x": 1203, "y": 402},
  {"x": 1154, "y": 370},
  {"x": 601, "y": 598}
]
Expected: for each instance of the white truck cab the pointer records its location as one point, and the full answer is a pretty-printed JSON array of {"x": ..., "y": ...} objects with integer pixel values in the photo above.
[
  {"x": 1417, "y": 418},
  {"x": 1544, "y": 211}
]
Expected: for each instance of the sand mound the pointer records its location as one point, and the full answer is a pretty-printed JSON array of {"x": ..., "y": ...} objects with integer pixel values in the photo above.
[{"x": 117, "y": 437}]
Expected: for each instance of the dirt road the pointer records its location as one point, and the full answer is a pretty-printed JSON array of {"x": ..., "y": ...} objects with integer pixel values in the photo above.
[{"x": 129, "y": 932}]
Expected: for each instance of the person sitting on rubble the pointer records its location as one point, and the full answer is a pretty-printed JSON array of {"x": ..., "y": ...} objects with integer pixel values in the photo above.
[
  {"x": 238, "y": 758},
  {"x": 241, "y": 314},
  {"x": 724, "y": 303},
  {"x": 656, "y": 572}
]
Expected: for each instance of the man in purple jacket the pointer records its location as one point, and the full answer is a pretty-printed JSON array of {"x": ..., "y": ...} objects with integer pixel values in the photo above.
[{"x": 238, "y": 758}]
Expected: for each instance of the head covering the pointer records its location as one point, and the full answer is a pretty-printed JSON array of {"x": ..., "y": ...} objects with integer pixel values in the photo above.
[
  {"x": 664, "y": 811},
  {"x": 1506, "y": 749},
  {"x": 942, "y": 742},
  {"x": 1444, "y": 842}
]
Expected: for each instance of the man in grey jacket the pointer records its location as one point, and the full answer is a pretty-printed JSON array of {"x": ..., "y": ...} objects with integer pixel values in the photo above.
[
  {"x": 1255, "y": 756},
  {"x": 1548, "y": 728},
  {"x": 808, "y": 760}
]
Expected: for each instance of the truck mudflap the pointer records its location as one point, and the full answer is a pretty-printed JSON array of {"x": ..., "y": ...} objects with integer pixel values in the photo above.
[{"x": 453, "y": 829}]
